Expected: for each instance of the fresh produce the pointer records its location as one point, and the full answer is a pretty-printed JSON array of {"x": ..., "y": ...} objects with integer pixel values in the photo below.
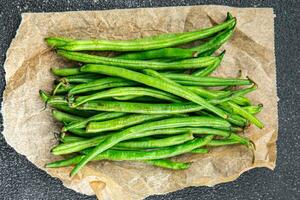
[{"x": 150, "y": 102}]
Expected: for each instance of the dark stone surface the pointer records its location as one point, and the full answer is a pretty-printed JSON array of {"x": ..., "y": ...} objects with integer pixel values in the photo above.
[{"x": 19, "y": 179}]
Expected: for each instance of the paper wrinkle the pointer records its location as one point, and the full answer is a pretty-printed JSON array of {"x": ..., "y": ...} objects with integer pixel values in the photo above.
[{"x": 29, "y": 129}]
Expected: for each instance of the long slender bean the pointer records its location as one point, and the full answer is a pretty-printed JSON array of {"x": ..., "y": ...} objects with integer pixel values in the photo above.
[
  {"x": 61, "y": 88},
  {"x": 157, "y": 143},
  {"x": 208, "y": 70},
  {"x": 239, "y": 110},
  {"x": 115, "y": 138},
  {"x": 199, "y": 150},
  {"x": 101, "y": 84},
  {"x": 61, "y": 104},
  {"x": 164, "y": 163},
  {"x": 153, "y": 82},
  {"x": 123, "y": 91},
  {"x": 253, "y": 109},
  {"x": 156, "y": 42},
  {"x": 177, "y": 53},
  {"x": 147, "y": 155},
  {"x": 157, "y": 108},
  {"x": 121, "y": 122},
  {"x": 64, "y": 117},
  {"x": 206, "y": 81},
  {"x": 242, "y": 101},
  {"x": 66, "y": 71},
  {"x": 82, "y": 144},
  {"x": 193, "y": 63},
  {"x": 98, "y": 117},
  {"x": 215, "y": 143}
]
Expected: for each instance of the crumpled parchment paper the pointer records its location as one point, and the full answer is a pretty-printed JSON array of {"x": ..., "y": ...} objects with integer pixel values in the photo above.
[{"x": 29, "y": 129}]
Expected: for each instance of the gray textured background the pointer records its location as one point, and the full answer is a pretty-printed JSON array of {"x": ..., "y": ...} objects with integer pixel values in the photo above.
[{"x": 19, "y": 179}]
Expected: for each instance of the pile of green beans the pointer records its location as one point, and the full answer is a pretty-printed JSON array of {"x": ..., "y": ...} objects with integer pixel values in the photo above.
[{"x": 143, "y": 105}]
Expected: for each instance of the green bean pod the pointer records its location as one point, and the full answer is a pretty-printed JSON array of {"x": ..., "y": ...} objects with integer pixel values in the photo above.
[
  {"x": 157, "y": 143},
  {"x": 148, "y": 43},
  {"x": 123, "y": 91},
  {"x": 68, "y": 71},
  {"x": 208, "y": 70},
  {"x": 253, "y": 109},
  {"x": 164, "y": 163},
  {"x": 177, "y": 53},
  {"x": 239, "y": 110},
  {"x": 193, "y": 63},
  {"x": 153, "y": 82},
  {"x": 65, "y": 118},
  {"x": 199, "y": 150},
  {"x": 129, "y": 133},
  {"x": 157, "y": 108},
  {"x": 224, "y": 142},
  {"x": 98, "y": 117},
  {"x": 206, "y": 81},
  {"x": 59, "y": 103},
  {"x": 121, "y": 122},
  {"x": 101, "y": 84}
]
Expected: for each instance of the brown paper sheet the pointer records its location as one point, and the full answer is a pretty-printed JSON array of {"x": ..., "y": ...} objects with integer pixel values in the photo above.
[{"x": 29, "y": 129}]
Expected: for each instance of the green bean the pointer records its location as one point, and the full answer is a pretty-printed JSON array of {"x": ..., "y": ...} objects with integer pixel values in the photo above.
[
  {"x": 215, "y": 143},
  {"x": 160, "y": 53},
  {"x": 53, "y": 42},
  {"x": 164, "y": 163},
  {"x": 67, "y": 148},
  {"x": 157, "y": 108},
  {"x": 210, "y": 94},
  {"x": 193, "y": 63},
  {"x": 80, "y": 78},
  {"x": 206, "y": 81},
  {"x": 156, "y": 42},
  {"x": 59, "y": 103},
  {"x": 208, "y": 70},
  {"x": 69, "y": 139},
  {"x": 66, "y": 71},
  {"x": 128, "y": 133},
  {"x": 253, "y": 109},
  {"x": 199, "y": 150},
  {"x": 98, "y": 117},
  {"x": 123, "y": 91},
  {"x": 87, "y": 143},
  {"x": 82, "y": 133},
  {"x": 209, "y": 52},
  {"x": 157, "y": 143},
  {"x": 179, "y": 53},
  {"x": 64, "y": 117},
  {"x": 153, "y": 82},
  {"x": 145, "y": 155},
  {"x": 61, "y": 88},
  {"x": 121, "y": 122},
  {"x": 101, "y": 84},
  {"x": 238, "y": 110},
  {"x": 242, "y": 101}
]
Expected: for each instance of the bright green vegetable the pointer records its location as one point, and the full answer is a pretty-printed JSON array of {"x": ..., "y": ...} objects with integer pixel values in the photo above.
[
  {"x": 206, "y": 81},
  {"x": 157, "y": 143},
  {"x": 101, "y": 84},
  {"x": 123, "y": 91},
  {"x": 239, "y": 110},
  {"x": 121, "y": 122},
  {"x": 208, "y": 70},
  {"x": 64, "y": 117},
  {"x": 253, "y": 109},
  {"x": 193, "y": 63},
  {"x": 98, "y": 117},
  {"x": 147, "y": 155},
  {"x": 164, "y": 163},
  {"x": 66, "y": 71},
  {"x": 128, "y": 133},
  {"x": 152, "y": 82},
  {"x": 155, "y": 42}
]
